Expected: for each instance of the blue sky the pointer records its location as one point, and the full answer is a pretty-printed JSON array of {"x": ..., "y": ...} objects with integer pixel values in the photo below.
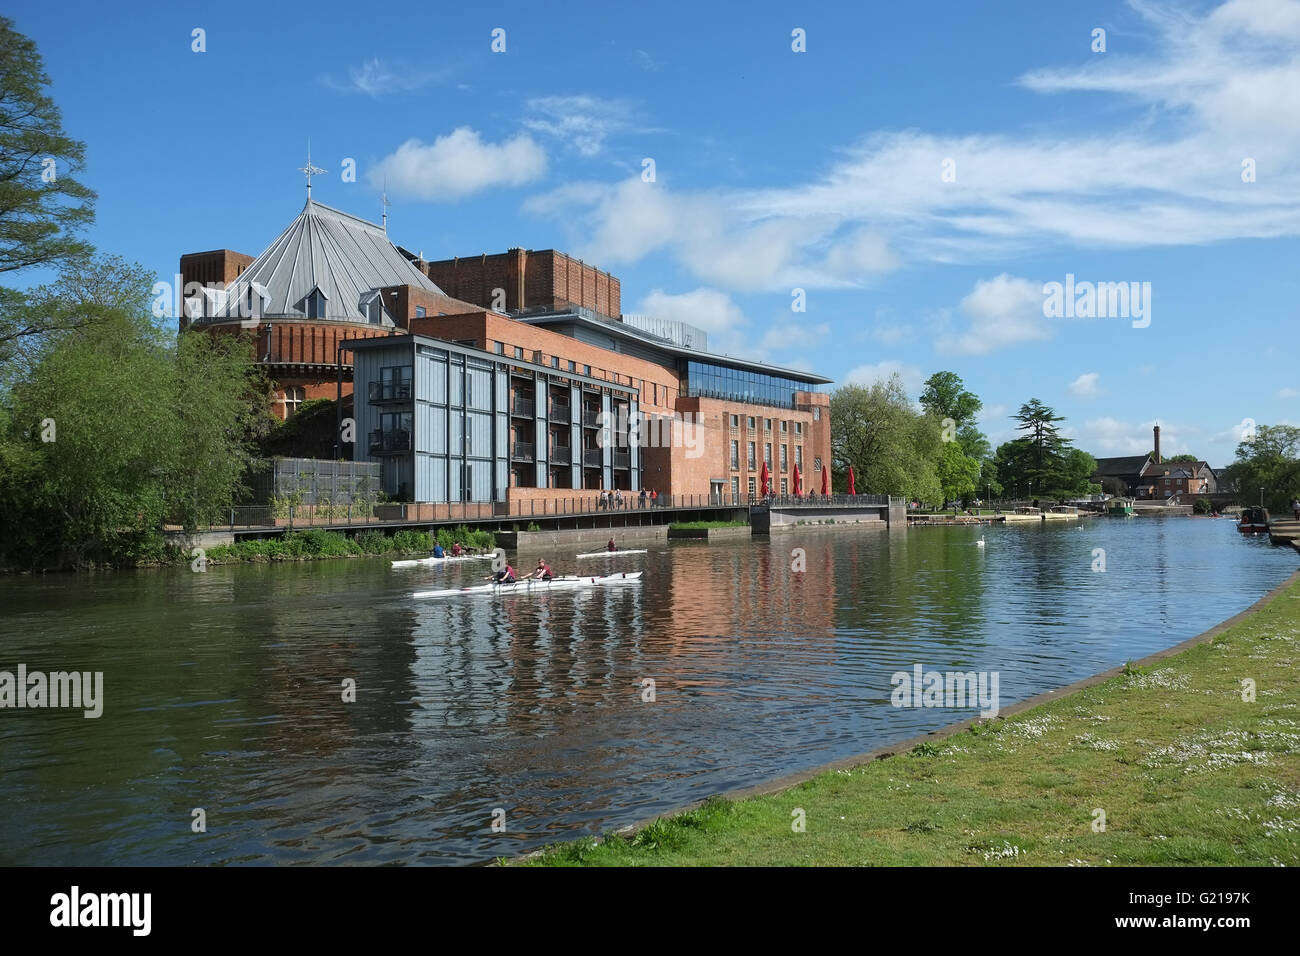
[{"x": 774, "y": 170}]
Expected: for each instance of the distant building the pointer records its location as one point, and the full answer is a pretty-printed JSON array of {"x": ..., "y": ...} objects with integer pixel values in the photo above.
[
  {"x": 1147, "y": 476},
  {"x": 1122, "y": 476}
]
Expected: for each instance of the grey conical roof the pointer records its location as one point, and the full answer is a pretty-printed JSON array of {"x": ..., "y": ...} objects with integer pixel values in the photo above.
[{"x": 345, "y": 257}]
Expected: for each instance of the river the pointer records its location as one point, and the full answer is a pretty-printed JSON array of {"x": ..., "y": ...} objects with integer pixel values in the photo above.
[{"x": 223, "y": 689}]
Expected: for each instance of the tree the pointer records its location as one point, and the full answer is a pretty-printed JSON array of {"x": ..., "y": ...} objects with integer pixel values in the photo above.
[
  {"x": 111, "y": 429},
  {"x": 42, "y": 205},
  {"x": 957, "y": 472},
  {"x": 1175, "y": 459},
  {"x": 1038, "y": 422},
  {"x": 944, "y": 396},
  {"x": 1268, "y": 461},
  {"x": 892, "y": 449}
]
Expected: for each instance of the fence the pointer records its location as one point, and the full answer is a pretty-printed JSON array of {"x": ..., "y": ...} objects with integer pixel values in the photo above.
[{"x": 311, "y": 481}]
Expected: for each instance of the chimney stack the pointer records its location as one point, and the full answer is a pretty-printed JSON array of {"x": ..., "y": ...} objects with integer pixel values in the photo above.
[{"x": 1157, "y": 434}]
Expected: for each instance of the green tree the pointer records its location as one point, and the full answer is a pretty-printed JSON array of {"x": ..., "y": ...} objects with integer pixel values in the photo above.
[
  {"x": 1038, "y": 422},
  {"x": 893, "y": 450},
  {"x": 110, "y": 429},
  {"x": 1267, "y": 461},
  {"x": 945, "y": 396},
  {"x": 43, "y": 206},
  {"x": 957, "y": 472}
]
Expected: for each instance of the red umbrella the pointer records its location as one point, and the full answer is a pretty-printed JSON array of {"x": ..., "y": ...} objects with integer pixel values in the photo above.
[
  {"x": 798, "y": 482},
  {"x": 826, "y": 482},
  {"x": 763, "y": 478},
  {"x": 852, "y": 490}
]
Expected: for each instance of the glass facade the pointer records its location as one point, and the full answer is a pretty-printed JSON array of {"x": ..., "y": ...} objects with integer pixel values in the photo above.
[{"x": 705, "y": 380}]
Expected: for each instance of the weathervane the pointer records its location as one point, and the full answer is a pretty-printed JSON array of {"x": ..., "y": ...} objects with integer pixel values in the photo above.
[
  {"x": 310, "y": 170},
  {"x": 386, "y": 204}
]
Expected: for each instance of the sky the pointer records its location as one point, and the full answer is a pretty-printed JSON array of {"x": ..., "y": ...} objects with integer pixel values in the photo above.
[{"x": 921, "y": 172}]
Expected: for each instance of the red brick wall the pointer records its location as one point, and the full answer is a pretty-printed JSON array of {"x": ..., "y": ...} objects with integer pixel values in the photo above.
[{"x": 530, "y": 279}]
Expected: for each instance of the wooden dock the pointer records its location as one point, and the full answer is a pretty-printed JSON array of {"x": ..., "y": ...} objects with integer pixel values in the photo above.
[{"x": 1284, "y": 532}]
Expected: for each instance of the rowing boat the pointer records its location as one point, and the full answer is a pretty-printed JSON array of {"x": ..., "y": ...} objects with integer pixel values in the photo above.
[
  {"x": 610, "y": 554},
  {"x": 431, "y": 562},
  {"x": 533, "y": 586}
]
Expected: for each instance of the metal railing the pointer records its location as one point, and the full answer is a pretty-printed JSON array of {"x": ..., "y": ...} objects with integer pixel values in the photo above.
[
  {"x": 590, "y": 419},
  {"x": 389, "y": 442},
  {"x": 559, "y": 410},
  {"x": 523, "y": 451},
  {"x": 592, "y": 458},
  {"x": 390, "y": 392},
  {"x": 815, "y": 500},
  {"x": 561, "y": 454},
  {"x": 523, "y": 407},
  {"x": 622, "y": 459},
  {"x": 589, "y": 503}
]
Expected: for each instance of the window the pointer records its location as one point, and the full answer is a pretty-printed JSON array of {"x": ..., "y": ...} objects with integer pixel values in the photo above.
[
  {"x": 751, "y": 456},
  {"x": 735, "y": 421},
  {"x": 419, "y": 312},
  {"x": 784, "y": 423},
  {"x": 753, "y": 488},
  {"x": 768, "y": 424},
  {"x": 655, "y": 387},
  {"x": 798, "y": 456},
  {"x": 501, "y": 348},
  {"x": 785, "y": 487},
  {"x": 751, "y": 423},
  {"x": 555, "y": 361},
  {"x": 519, "y": 352},
  {"x": 767, "y": 454},
  {"x": 293, "y": 397},
  {"x": 798, "y": 428},
  {"x": 735, "y": 454},
  {"x": 586, "y": 370},
  {"x": 573, "y": 366},
  {"x": 735, "y": 488},
  {"x": 817, "y": 414},
  {"x": 783, "y": 462},
  {"x": 315, "y": 304},
  {"x": 395, "y": 382}
]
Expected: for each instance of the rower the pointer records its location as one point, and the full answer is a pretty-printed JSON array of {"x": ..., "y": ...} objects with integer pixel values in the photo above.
[
  {"x": 457, "y": 550},
  {"x": 543, "y": 572},
  {"x": 611, "y": 546},
  {"x": 437, "y": 551},
  {"x": 505, "y": 576}
]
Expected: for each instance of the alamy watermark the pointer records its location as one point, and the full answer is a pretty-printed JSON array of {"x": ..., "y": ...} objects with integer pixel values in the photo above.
[
  {"x": 680, "y": 429},
  {"x": 37, "y": 689},
  {"x": 1098, "y": 300},
  {"x": 951, "y": 689}
]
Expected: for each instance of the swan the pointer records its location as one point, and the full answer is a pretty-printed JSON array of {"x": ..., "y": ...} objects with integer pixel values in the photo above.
[{"x": 980, "y": 542}]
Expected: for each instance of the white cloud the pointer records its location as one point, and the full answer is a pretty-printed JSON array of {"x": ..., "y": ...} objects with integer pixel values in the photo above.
[
  {"x": 375, "y": 78},
  {"x": 1288, "y": 392},
  {"x": 458, "y": 164},
  {"x": 1109, "y": 437},
  {"x": 584, "y": 122},
  {"x": 910, "y": 375},
  {"x": 788, "y": 335},
  {"x": 1003, "y": 311},
  {"x": 1161, "y": 167},
  {"x": 1085, "y": 386}
]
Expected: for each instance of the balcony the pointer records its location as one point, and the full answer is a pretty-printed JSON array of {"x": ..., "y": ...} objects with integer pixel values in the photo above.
[
  {"x": 592, "y": 457},
  {"x": 559, "y": 410},
  {"x": 591, "y": 419},
  {"x": 561, "y": 454},
  {"x": 390, "y": 442},
  {"x": 622, "y": 459},
  {"x": 380, "y": 392},
  {"x": 522, "y": 407},
  {"x": 523, "y": 451}
]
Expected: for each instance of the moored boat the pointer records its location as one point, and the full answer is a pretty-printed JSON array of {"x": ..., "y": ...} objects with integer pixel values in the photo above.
[
  {"x": 1253, "y": 520},
  {"x": 533, "y": 586},
  {"x": 447, "y": 559},
  {"x": 610, "y": 554}
]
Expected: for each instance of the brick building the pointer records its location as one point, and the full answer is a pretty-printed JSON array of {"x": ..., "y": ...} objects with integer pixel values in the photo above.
[{"x": 541, "y": 331}]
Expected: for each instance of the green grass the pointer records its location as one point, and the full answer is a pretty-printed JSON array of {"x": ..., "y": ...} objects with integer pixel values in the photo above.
[
  {"x": 697, "y": 525},
  {"x": 1186, "y": 772},
  {"x": 318, "y": 543}
]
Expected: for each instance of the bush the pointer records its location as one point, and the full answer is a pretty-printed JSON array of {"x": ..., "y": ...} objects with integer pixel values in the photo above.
[{"x": 1201, "y": 506}]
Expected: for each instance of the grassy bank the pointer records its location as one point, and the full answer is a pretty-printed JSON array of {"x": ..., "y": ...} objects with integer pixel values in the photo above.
[
  {"x": 1186, "y": 772},
  {"x": 317, "y": 543}
]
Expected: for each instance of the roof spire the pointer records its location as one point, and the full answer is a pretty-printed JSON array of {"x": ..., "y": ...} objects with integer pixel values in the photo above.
[
  {"x": 386, "y": 204},
  {"x": 310, "y": 170}
]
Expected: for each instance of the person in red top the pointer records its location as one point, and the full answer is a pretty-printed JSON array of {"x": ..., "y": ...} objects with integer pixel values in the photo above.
[
  {"x": 543, "y": 572},
  {"x": 611, "y": 546},
  {"x": 457, "y": 550},
  {"x": 505, "y": 576}
]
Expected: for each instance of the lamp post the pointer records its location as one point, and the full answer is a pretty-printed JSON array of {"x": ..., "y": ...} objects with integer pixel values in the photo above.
[{"x": 1261, "y": 497}]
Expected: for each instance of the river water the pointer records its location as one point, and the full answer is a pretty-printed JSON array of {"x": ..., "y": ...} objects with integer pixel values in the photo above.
[{"x": 223, "y": 689}]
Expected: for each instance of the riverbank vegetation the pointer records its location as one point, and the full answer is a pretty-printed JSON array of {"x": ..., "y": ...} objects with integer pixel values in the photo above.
[
  {"x": 938, "y": 454},
  {"x": 1194, "y": 760},
  {"x": 698, "y": 525},
  {"x": 317, "y": 543}
]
